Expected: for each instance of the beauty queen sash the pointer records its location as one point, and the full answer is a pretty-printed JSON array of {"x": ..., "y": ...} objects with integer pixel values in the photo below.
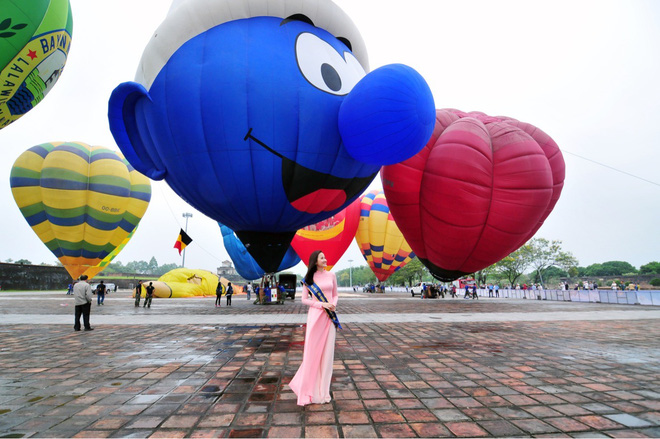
[{"x": 316, "y": 291}]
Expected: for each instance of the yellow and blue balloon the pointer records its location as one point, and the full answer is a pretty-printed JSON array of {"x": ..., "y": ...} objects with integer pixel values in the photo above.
[
  {"x": 381, "y": 242},
  {"x": 84, "y": 202}
]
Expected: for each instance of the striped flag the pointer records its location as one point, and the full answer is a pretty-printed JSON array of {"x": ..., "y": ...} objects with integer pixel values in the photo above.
[{"x": 182, "y": 241}]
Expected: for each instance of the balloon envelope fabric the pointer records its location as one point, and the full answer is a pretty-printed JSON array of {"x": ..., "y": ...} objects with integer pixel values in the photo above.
[
  {"x": 184, "y": 282},
  {"x": 35, "y": 37},
  {"x": 82, "y": 201},
  {"x": 478, "y": 191},
  {"x": 244, "y": 263},
  {"x": 241, "y": 106},
  {"x": 381, "y": 242},
  {"x": 332, "y": 235},
  {"x": 93, "y": 271}
]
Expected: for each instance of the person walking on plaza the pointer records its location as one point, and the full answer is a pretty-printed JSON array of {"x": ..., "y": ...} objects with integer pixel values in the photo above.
[
  {"x": 100, "y": 293},
  {"x": 218, "y": 294},
  {"x": 247, "y": 290},
  {"x": 150, "y": 295},
  {"x": 69, "y": 290},
  {"x": 311, "y": 384},
  {"x": 82, "y": 294},
  {"x": 229, "y": 293},
  {"x": 138, "y": 293}
]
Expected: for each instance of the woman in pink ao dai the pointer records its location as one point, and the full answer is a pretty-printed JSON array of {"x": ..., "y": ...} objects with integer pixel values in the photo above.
[{"x": 312, "y": 381}]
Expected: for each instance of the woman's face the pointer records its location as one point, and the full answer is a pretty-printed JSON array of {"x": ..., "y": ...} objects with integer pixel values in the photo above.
[{"x": 321, "y": 262}]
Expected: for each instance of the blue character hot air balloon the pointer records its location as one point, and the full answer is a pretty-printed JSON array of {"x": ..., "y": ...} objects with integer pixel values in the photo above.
[
  {"x": 261, "y": 115},
  {"x": 245, "y": 264}
]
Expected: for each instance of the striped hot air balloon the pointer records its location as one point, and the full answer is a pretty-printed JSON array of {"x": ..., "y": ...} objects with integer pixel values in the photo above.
[
  {"x": 84, "y": 202},
  {"x": 381, "y": 242}
]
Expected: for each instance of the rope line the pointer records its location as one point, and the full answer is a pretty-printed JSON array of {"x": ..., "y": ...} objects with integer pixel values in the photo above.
[{"x": 610, "y": 167}]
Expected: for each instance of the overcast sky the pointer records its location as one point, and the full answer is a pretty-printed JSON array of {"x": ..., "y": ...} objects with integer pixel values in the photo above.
[{"x": 586, "y": 72}]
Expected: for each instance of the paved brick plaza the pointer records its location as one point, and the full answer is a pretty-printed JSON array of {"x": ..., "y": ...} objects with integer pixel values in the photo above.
[{"x": 435, "y": 372}]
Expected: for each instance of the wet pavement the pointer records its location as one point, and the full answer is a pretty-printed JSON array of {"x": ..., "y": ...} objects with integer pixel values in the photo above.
[{"x": 403, "y": 368}]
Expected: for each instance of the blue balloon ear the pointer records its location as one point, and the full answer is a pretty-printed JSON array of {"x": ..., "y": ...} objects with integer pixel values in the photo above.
[
  {"x": 128, "y": 132},
  {"x": 388, "y": 117}
]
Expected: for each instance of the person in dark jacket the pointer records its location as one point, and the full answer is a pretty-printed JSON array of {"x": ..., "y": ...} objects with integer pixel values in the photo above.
[
  {"x": 150, "y": 295},
  {"x": 100, "y": 294},
  {"x": 218, "y": 294},
  {"x": 230, "y": 291}
]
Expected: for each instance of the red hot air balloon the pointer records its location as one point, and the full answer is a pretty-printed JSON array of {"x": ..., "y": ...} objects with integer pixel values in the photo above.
[
  {"x": 332, "y": 235},
  {"x": 479, "y": 190}
]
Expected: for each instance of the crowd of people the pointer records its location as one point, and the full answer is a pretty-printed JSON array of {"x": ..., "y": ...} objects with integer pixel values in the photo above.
[
  {"x": 83, "y": 293},
  {"x": 587, "y": 285}
]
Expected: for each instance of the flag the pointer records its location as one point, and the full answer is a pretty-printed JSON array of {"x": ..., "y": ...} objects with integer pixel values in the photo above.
[{"x": 182, "y": 241}]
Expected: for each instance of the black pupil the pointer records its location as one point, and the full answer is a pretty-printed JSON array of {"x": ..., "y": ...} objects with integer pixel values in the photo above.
[{"x": 331, "y": 77}]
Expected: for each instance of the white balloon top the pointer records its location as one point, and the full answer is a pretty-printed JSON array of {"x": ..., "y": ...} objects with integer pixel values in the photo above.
[{"x": 189, "y": 18}]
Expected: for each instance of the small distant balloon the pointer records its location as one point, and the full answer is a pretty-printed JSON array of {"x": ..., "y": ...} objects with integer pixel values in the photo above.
[
  {"x": 332, "y": 235},
  {"x": 82, "y": 201},
  {"x": 35, "y": 37},
  {"x": 381, "y": 242}
]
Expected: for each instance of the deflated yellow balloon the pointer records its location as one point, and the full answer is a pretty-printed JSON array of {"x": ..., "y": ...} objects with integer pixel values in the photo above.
[{"x": 187, "y": 282}]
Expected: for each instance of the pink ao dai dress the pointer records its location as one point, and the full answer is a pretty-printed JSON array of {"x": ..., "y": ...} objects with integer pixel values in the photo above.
[{"x": 312, "y": 381}]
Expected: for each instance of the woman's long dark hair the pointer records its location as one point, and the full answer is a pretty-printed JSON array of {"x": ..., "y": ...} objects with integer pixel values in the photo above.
[{"x": 311, "y": 267}]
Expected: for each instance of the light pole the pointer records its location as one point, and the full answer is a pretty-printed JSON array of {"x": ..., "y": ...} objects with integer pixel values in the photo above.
[
  {"x": 350, "y": 272},
  {"x": 186, "y": 215}
]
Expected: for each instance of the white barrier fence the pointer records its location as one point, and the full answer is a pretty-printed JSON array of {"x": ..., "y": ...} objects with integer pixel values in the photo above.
[{"x": 644, "y": 297}]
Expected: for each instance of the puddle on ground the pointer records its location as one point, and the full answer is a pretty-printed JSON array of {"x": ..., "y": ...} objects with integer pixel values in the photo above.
[{"x": 210, "y": 389}]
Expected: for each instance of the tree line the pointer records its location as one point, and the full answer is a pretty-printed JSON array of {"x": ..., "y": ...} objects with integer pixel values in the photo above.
[
  {"x": 538, "y": 261},
  {"x": 138, "y": 267}
]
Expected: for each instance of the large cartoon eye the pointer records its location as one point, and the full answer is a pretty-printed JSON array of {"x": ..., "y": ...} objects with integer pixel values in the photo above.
[{"x": 324, "y": 68}]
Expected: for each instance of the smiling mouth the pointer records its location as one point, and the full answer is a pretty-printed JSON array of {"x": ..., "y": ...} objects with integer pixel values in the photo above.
[{"x": 312, "y": 191}]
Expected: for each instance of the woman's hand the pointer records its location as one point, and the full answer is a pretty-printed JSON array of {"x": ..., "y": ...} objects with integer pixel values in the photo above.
[{"x": 328, "y": 306}]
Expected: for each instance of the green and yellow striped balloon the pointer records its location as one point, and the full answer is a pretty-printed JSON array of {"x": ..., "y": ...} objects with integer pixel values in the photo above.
[{"x": 84, "y": 202}]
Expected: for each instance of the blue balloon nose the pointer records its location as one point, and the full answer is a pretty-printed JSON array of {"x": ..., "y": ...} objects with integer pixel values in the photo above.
[{"x": 388, "y": 117}]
